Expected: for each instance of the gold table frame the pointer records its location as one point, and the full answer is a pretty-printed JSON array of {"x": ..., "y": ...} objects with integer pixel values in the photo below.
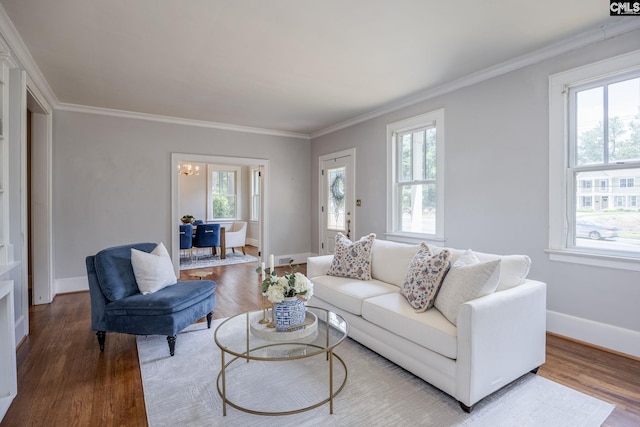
[{"x": 327, "y": 348}]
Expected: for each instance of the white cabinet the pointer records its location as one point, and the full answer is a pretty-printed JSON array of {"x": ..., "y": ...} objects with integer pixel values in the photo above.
[{"x": 9, "y": 377}]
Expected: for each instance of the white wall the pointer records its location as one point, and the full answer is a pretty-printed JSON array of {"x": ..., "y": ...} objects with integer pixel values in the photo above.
[
  {"x": 112, "y": 183},
  {"x": 496, "y": 190}
]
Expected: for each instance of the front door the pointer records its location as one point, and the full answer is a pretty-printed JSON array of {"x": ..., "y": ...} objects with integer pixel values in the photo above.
[{"x": 337, "y": 186}]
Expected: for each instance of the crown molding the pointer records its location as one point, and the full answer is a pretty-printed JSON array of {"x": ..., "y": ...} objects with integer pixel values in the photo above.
[
  {"x": 602, "y": 32},
  {"x": 176, "y": 120},
  {"x": 22, "y": 56}
]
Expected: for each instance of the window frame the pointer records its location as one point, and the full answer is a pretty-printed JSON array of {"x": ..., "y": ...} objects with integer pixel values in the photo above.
[
  {"x": 393, "y": 230},
  {"x": 211, "y": 168},
  {"x": 255, "y": 194},
  {"x": 563, "y": 189}
]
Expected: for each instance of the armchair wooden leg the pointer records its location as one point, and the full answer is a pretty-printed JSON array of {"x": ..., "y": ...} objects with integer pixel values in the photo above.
[
  {"x": 209, "y": 317},
  {"x": 171, "y": 339},
  {"x": 244, "y": 252},
  {"x": 101, "y": 337},
  {"x": 535, "y": 370}
]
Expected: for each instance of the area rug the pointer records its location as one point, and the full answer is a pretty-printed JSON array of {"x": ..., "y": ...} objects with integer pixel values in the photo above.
[
  {"x": 181, "y": 390},
  {"x": 215, "y": 261}
]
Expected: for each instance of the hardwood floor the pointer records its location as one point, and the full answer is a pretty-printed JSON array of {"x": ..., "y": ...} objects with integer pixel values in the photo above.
[{"x": 64, "y": 379}]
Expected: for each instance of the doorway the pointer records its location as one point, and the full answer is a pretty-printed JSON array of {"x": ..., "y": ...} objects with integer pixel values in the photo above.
[
  {"x": 258, "y": 227},
  {"x": 337, "y": 200}
]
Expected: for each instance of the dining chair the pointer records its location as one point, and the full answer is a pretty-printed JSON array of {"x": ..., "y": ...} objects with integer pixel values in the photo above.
[
  {"x": 207, "y": 236},
  {"x": 186, "y": 239}
]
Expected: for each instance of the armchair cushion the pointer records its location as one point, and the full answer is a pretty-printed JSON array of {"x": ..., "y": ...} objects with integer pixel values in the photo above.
[
  {"x": 172, "y": 299},
  {"x": 153, "y": 271}
]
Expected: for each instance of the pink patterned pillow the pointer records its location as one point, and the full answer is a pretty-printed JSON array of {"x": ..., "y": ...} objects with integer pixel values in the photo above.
[
  {"x": 352, "y": 259},
  {"x": 424, "y": 277}
]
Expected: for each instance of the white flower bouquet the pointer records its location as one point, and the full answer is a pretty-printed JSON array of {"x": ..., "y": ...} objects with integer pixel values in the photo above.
[{"x": 292, "y": 284}]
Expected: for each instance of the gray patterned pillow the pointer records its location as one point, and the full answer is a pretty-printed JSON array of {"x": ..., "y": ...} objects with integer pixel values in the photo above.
[
  {"x": 424, "y": 277},
  {"x": 352, "y": 259}
]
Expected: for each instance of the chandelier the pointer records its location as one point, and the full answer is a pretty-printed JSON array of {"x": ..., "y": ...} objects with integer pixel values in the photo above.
[{"x": 188, "y": 169}]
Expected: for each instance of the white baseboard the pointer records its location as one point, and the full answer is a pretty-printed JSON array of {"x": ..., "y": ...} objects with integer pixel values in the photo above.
[
  {"x": 619, "y": 339},
  {"x": 71, "y": 284},
  {"x": 21, "y": 330},
  {"x": 300, "y": 258},
  {"x": 252, "y": 242}
]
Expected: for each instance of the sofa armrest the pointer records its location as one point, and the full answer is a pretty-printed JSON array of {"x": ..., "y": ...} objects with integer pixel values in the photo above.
[
  {"x": 318, "y": 265},
  {"x": 501, "y": 337}
]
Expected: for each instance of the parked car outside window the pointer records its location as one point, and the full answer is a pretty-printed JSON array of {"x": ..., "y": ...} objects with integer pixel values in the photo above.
[{"x": 595, "y": 230}]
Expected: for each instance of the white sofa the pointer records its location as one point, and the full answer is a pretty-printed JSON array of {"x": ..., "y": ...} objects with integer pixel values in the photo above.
[{"x": 498, "y": 337}]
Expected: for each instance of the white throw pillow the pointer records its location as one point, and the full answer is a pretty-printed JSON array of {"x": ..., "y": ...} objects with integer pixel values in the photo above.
[
  {"x": 154, "y": 270},
  {"x": 466, "y": 280}
]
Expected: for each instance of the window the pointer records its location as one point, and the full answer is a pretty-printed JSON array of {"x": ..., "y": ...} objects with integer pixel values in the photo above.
[
  {"x": 224, "y": 185},
  {"x": 626, "y": 182},
  {"x": 255, "y": 194},
  {"x": 594, "y": 124},
  {"x": 416, "y": 170},
  {"x": 585, "y": 184}
]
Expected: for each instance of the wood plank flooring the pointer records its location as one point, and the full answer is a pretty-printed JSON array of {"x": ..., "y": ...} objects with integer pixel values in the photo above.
[{"x": 64, "y": 379}]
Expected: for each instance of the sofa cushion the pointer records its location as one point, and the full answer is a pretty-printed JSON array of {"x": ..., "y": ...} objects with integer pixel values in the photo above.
[
  {"x": 424, "y": 277},
  {"x": 153, "y": 271},
  {"x": 115, "y": 272},
  {"x": 352, "y": 259},
  {"x": 513, "y": 268},
  {"x": 429, "y": 329},
  {"x": 467, "y": 279},
  {"x": 390, "y": 260},
  {"x": 348, "y": 294}
]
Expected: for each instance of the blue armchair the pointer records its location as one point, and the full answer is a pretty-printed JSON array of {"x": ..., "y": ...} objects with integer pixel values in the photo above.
[{"x": 118, "y": 306}]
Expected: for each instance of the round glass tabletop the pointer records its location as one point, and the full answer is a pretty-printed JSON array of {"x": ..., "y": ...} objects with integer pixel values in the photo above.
[{"x": 243, "y": 336}]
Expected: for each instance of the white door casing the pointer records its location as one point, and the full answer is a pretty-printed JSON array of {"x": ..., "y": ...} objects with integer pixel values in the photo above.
[{"x": 337, "y": 198}]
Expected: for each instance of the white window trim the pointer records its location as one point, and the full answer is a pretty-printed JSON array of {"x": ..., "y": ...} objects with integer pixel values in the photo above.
[
  {"x": 252, "y": 205},
  {"x": 224, "y": 168},
  {"x": 558, "y": 160},
  {"x": 426, "y": 119}
]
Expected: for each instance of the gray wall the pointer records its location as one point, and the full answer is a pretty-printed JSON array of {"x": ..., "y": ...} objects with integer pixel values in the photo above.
[
  {"x": 496, "y": 181},
  {"x": 112, "y": 182}
]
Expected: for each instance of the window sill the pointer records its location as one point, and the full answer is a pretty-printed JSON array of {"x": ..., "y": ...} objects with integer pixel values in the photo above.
[
  {"x": 597, "y": 260},
  {"x": 415, "y": 238}
]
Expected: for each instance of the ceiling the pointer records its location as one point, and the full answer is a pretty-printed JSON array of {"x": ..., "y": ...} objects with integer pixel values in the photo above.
[{"x": 288, "y": 65}]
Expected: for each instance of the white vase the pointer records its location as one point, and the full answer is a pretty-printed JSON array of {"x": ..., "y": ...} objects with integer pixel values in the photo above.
[{"x": 288, "y": 313}]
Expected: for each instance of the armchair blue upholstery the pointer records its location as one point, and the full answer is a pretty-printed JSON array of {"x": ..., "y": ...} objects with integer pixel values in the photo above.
[
  {"x": 207, "y": 236},
  {"x": 118, "y": 306}
]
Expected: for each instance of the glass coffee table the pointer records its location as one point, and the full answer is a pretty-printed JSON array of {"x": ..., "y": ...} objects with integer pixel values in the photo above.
[{"x": 303, "y": 361}]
